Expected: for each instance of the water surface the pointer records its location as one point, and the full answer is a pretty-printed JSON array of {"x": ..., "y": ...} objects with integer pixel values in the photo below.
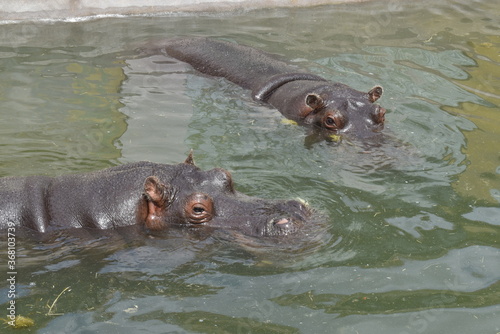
[{"x": 412, "y": 237}]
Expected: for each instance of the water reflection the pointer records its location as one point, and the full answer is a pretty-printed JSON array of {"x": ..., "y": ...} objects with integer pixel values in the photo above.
[{"x": 56, "y": 121}]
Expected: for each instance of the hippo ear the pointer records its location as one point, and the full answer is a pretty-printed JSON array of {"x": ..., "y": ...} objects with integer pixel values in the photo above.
[
  {"x": 190, "y": 160},
  {"x": 375, "y": 93},
  {"x": 314, "y": 101},
  {"x": 158, "y": 197},
  {"x": 156, "y": 192}
]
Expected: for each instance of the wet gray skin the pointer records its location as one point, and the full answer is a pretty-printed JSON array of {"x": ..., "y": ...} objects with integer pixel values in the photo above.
[
  {"x": 330, "y": 107},
  {"x": 152, "y": 195}
]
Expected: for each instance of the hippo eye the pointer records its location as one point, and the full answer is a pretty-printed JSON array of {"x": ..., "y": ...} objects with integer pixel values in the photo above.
[
  {"x": 199, "y": 208},
  {"x": 333, "y": 121}
]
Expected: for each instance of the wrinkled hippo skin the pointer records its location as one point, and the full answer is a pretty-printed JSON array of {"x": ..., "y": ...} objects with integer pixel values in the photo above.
[
  {"x": 305, "y": 98},
  {"x": 149, "y": 194}
]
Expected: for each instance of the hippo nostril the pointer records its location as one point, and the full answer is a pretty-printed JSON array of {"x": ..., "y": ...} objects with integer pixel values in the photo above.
[
  {"x": 281, "y": 226},
  {"x": 284, "y": 224},
  {"x": 282, "y": 221}
]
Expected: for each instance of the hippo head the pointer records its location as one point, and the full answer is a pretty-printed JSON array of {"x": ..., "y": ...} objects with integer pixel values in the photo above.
[
  {"x": 339, "y": 109},
  {"x": 197, "y": 198}
]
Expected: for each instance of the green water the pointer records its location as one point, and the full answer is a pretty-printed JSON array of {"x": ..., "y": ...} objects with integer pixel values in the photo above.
[{"x": 412, "y": 243}]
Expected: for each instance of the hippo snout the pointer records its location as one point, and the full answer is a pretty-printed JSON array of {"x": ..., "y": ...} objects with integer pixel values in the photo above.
[
  {"x": 293, "y": 216},
  {"x": 283, "y": 226}
]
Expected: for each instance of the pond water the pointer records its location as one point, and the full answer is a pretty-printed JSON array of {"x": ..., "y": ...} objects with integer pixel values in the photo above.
[{"x": 413, "y": 228}]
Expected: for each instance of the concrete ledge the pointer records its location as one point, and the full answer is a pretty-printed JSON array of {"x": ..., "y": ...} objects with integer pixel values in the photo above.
[{"x": 68, "y": 9}]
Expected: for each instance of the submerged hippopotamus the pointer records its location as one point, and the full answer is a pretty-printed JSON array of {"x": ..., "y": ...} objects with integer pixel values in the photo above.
[
  {"x": 150, "y": 194},
  {"x": 305, "y": 98}
]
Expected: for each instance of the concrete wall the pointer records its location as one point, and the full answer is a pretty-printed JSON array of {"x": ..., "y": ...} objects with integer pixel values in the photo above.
[{"x": 67, "y": 9}]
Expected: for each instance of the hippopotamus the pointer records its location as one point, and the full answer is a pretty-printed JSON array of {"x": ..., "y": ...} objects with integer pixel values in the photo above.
[
  {"x": 305, "y": 98},
  {"x": 155, "y": 196}
]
